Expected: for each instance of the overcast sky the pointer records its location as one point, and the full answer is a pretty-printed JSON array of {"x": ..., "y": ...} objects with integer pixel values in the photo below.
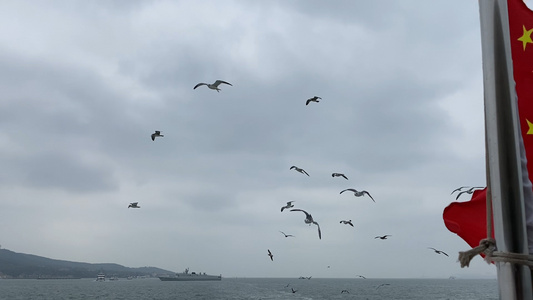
[{"x": 83, "y": 84}]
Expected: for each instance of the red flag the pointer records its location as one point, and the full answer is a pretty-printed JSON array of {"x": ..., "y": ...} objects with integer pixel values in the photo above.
[
  {"x": 468, "y": 219},
  {"x": 520, "y": 30}
]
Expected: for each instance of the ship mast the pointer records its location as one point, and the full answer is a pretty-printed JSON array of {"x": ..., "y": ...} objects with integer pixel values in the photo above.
[{"x": 502, "y": 138}]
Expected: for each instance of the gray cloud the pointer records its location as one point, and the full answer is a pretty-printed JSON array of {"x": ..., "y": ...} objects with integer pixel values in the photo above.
[{"x": 400, "y": 114}]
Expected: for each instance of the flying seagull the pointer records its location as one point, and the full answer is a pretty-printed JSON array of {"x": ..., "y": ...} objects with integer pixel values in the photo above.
[
  {"x": 383, "y": 284},
  {"x": 314, "y": 99},
  {"x": 289, "y": 205},
  {"x": 469, "y": 191},
  {"x": 358, "y": 193},
  {"x": 345, "y": 291},
  {"x": 156, "y": 134},
  {"x": 383, "y": 237},
  {"x": 299, "y": 170},
  {"x": 286, "y": 235},
  {"x": 361, "y": 276},
  {"x": 134, "y": 205},
  {"x": 213, "y": 86},
  {"x": 271, "y": 255},
  {"x": 309, "y": 220},
  {"x": 347, "y": 222},
  {"x": 293, "y": 290},
  {"x": 339, "y": 175},
  {"x": 438, "y": 251}
]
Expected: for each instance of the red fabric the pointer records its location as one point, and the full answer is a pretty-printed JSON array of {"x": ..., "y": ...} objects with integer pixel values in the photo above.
[
  {"x": 521, "y": 35},
  {"x": 468, "y": 219}
]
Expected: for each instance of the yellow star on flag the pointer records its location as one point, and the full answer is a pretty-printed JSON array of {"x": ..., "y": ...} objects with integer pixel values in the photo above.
[
  {"x": 526, "y": 37},
  {"x": 530, "y": 126}
]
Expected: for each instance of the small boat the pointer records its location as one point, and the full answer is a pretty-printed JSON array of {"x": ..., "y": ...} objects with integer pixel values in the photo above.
[
  {"x": 100, "y": 277},
  {"x": 193, "y": 276}
]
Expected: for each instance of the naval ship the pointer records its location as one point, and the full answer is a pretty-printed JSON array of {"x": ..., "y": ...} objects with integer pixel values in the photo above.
[{"x": 186, "y": 276}]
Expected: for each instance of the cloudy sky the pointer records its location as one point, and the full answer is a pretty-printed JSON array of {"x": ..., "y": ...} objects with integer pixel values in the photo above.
[{"x": 85, "y": 83}]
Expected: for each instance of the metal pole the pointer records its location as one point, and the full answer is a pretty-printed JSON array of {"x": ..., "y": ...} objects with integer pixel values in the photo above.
[{"x": 502, "y": 146}]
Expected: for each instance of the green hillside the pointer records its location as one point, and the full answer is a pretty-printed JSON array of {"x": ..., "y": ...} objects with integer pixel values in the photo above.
[{"x": 27, "y": 266}]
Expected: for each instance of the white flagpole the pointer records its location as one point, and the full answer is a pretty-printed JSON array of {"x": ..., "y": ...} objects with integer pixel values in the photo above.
[{"x": 502, "y": 132}]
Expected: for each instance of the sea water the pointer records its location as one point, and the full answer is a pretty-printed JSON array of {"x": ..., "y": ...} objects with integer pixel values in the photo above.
[{"x": 251, "y": 288}]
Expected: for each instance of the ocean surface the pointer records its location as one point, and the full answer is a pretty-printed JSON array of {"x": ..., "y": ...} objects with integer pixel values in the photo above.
[{"x": 251, "y": 288}]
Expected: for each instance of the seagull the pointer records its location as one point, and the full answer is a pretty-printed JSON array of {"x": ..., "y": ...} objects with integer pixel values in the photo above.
[
  {"x": 347, "y": 222},
  {"x": 134, "y": 205},
  {"x": 289, "y": 205},
  {"x": 299, "y": 170},
  {"x": 271, "y": 255},
  {"x": 438, "y": 251},
  {"x": 469, "y": 191},
  {"x": 339, "y": 175},
  {"x": 156, "y": 134},
  {"x": 358, "y": 193},
  {"x": 293, "y": 290},
  {"x": 213, "y": 86},
  {"x": 286, "y": 235},
  {"x": 314, "y": 99},
  {"x": 361, "y": 276},
  {"x": 383, "y": 284},
  {"x": 309, "y": 220},
  {"x": 345, "y": 291},
  {"x": 383, "y": 237}
]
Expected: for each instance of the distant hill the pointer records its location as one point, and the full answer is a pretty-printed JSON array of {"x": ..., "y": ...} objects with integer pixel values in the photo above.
[{"x": 20, "y": 265}]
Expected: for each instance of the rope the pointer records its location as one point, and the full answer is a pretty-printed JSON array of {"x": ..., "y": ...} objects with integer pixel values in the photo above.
[{"x": 487, "y": 247}]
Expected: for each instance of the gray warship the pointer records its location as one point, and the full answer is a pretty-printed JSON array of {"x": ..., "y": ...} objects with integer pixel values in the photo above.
[{"x": 192, "y": 276}]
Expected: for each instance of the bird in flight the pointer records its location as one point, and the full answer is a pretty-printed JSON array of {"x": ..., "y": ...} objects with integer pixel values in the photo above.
[
  {"x": 347, "y": 222},
  {"x": 361, "y": 276},
  {"x": 156, "y": 134},
  {"x": 314, "y": 99},
  {"x": 299, "y": 170},
  {"x": 213, "y": 86},
  {"x": 289, "y": 205},
  {"x": 438, "y": 251},
  {"x": 345, "y": 291},
  {"x": 358, "y": 193},
  {"x": 293, "y": 290},
  {"x": 286, "y": 235},
  {"x": 271, "y": 255},
  {"x": 134, "y": 205},
  {"x": 309, "y": 220},
  {"x": 383, "y": 237},
  {"x": 383, "y": 284},
  {"x": 469, "y": 191},
  {"x": 339, "y": 175}
]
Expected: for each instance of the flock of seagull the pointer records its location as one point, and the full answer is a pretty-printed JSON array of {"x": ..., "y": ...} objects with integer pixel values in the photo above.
[
  {"x": 308, "y": 217},
  {"x": 357, "y": 193}
]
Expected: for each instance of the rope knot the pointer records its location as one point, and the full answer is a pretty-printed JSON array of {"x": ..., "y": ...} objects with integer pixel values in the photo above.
[{"x": 486, "y": 246}]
